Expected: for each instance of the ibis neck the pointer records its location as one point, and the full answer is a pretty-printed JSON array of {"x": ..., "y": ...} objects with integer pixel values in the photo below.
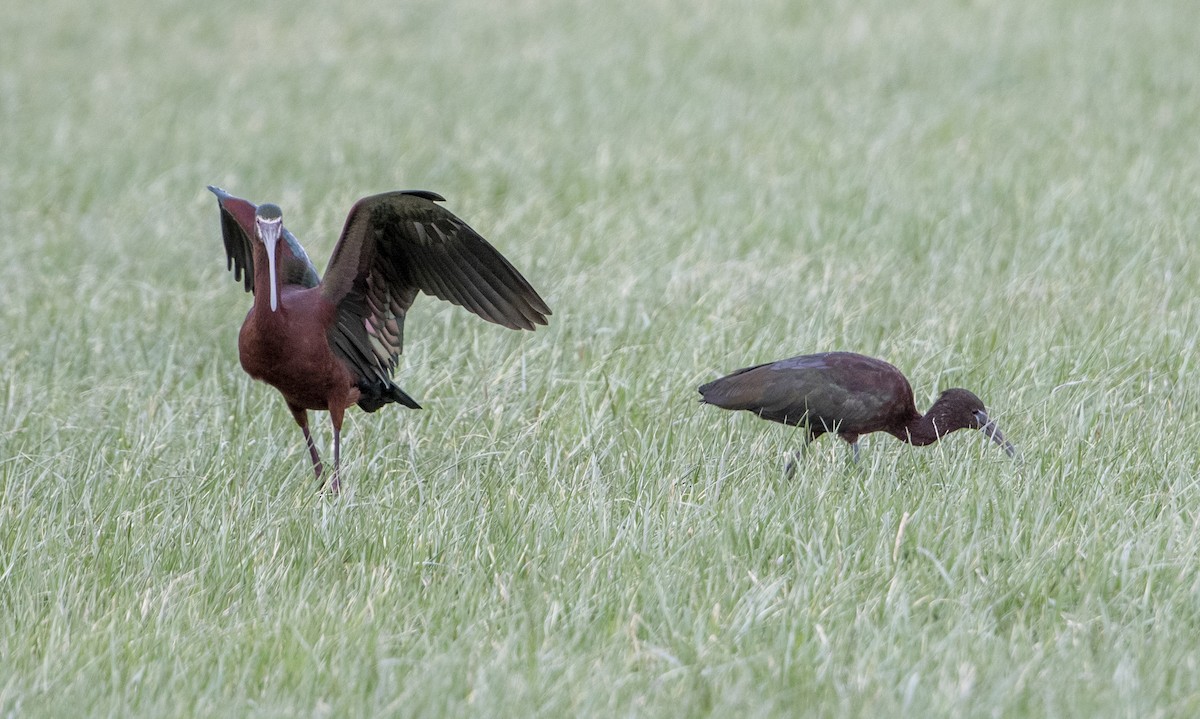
[
  {"x": 923, "y": 430},
  {"x": 926, "y": 429}
]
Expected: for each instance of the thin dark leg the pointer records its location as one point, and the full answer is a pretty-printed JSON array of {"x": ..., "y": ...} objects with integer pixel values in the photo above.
[
  {"x": 301, "y": 417},
  {"x": 851, "y": 439},
  {"x": 336, "y": 414},
  {"x": 789, "y": 470}
]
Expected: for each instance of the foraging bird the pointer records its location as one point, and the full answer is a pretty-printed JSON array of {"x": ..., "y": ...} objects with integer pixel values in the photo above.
[
  {"x": 851, "y": 395},
  {"x": 330, "y": 343}
]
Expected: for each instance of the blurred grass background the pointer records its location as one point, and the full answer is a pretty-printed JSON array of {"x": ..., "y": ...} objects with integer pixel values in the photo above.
[{"x": 1001, "y": 196}]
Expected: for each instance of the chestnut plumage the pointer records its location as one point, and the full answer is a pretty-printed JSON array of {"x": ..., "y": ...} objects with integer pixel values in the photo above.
[{"x": 329, "y": 343}]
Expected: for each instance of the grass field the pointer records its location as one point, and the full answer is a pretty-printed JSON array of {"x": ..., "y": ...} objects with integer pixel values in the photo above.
[{"x": 998, "y": 195}]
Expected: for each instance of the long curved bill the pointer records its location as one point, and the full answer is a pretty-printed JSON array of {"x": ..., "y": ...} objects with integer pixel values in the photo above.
[
  {"x": 993, "y": 433},
  {"x": 270, "y": 231}
]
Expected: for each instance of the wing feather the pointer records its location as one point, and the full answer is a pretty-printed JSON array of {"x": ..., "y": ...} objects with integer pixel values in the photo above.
[
  {"x": 475, "y": 292},
  {"x": 477, "y": 276},
  {"x": 237, "y": 221},
  {"x": 397, "y": 244}
]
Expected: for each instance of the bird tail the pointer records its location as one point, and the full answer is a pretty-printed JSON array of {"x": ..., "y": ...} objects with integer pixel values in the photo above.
[
  {"x": 379, "y": 394},
  {"x": 733, "y": 391}
]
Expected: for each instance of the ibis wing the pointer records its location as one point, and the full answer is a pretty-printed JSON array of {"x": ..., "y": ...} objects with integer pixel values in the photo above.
[
  {"x": 840, "y": 388},
  {"x": 766, "y": 391},
  {"x": 237, "y": 223},
  {"x": 237, "y": 227},
  {"x": 397, "y": 244}
]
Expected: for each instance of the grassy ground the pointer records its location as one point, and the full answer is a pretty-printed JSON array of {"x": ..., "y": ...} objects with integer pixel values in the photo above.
[{"x": 1003, "y": 196}]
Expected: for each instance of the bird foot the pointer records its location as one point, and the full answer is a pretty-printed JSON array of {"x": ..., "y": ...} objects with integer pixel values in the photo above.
[{"x": 333, "y": 487}]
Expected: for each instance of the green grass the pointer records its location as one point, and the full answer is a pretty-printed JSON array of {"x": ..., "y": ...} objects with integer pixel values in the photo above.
[{"x": 1002, "y": 196}]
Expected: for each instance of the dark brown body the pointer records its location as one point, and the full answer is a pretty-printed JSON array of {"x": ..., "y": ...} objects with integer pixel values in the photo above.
[{"x": 849, "y": 394}]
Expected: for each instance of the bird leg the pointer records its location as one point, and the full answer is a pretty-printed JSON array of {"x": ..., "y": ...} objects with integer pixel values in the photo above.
[
  {"x": 336, "y": 414},
  {"x": 301, "y": 416},
  {"x": 789, "y": 469},
  {"x": 851, "y": 439}
]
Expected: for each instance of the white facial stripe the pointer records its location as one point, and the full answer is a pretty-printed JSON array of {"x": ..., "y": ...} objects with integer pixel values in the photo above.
[{"x": 269, "y": 231}]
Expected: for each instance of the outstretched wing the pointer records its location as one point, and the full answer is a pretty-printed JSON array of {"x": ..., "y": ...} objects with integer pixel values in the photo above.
[
  {"x": 237, "y": 227},
  {"x": 397, "y": 244}
]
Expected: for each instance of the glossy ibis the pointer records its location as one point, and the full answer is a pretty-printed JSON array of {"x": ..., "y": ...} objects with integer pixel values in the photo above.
[
  {"x": 329, "y": 343},
  {"x": 851, "y": 395}
]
